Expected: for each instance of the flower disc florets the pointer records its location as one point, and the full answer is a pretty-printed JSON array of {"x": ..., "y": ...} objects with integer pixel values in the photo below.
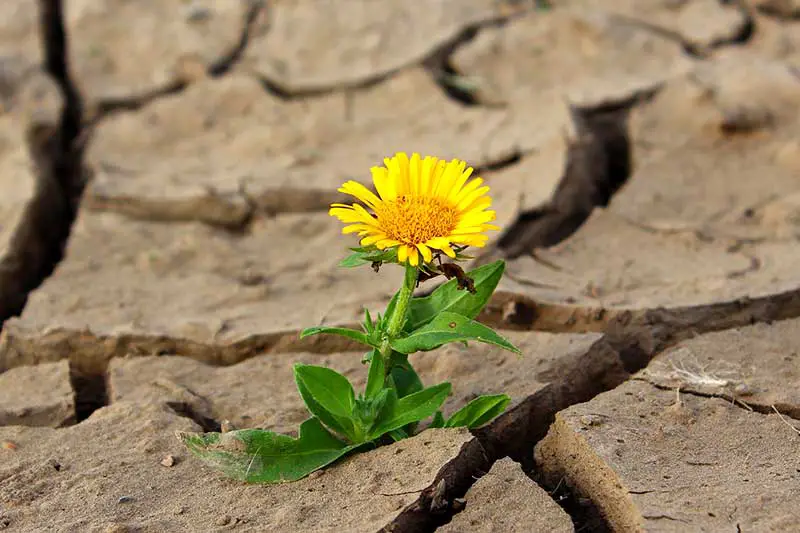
[{"x": 422, "y": 204}]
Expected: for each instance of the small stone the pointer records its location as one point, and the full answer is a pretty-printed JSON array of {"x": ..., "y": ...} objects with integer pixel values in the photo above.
[
  {"x": 226, "y": 426},
  {"x": 197, "y": 13},
  {"x": 222, "y": 521},
  {"x": 125, "y": 499},
  {"x": 315, "y": 474},
  {"x": 168, "y": 461},
  {"x": 591, "y": 420}
]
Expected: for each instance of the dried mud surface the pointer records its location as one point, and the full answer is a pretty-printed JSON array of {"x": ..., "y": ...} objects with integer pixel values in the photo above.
[{"x": 166, "y": 171}]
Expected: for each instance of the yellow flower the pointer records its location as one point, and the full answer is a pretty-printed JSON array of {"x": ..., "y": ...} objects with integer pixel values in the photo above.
[{"x": 422, "y": 204}]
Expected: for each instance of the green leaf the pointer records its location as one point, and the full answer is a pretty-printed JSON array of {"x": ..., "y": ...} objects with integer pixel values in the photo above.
[
  {"x": 377, "y": 375},
  {"x": 369, "y": 254},
  {"x": 389, "y": 312},
  {"x": 329, "y": 396},
  {"x": 479, "y": 411},
  {"x": 411, "y": 408},
  {"x": 344, "y": 332},
  {"x": 438, "y": 421},
  {"x": 405, "y": 378},
  {"x": 367, "y": 410},
  {"x": 260, "y": 456},
  {"x": 449, "y": 327},
  {"x": 405, "y": 381},
  {"x": 369, "y": 325},
  {"x": 398, "y": 434},
  {"x": 329, "y": 388},
  {"x": 353, "y": 260},
  {"x": 448, "y": 297}
]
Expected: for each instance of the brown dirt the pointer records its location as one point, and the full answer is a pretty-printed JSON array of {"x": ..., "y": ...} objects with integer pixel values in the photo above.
[{"x": 643, "y": 160}]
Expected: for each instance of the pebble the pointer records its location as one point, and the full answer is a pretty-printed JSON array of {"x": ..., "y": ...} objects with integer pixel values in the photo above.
[
  {"x": 591, "y": 420},
  {"x": 168, "y": 461},
  {"x": 222, "y": 521},
  {"x": 125, "y": 499}
]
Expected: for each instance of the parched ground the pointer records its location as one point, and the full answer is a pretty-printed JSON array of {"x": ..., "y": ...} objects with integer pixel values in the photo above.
[{"x": 164, "y": 237}]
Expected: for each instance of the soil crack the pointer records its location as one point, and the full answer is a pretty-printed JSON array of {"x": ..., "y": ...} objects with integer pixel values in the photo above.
[
  {"x": 598, "y": 163},
  {"x": 438, "y": 502},
  {"x": 91, "y": 392},
  {"x": 57, "y": 151},
  {"x": 217, "y": 68}
]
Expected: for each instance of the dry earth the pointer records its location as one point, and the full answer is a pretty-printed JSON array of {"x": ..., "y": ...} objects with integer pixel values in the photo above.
[{"x": 164, "y": 237}]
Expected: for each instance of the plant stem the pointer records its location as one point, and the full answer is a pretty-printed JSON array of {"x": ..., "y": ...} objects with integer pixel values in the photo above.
[
  {"x": 398, "y": 318},
  {"x": 403, "y": 298}
]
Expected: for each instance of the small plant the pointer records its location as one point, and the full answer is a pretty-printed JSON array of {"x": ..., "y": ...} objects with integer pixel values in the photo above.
[{"x": 425, "y": 209}]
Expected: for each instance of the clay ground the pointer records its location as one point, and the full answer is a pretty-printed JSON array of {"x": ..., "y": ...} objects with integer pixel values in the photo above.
[{"x": 165, "y": 176}]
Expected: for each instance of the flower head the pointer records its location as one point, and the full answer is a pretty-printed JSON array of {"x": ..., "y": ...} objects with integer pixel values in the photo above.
[{"x": 423, "y": 204}]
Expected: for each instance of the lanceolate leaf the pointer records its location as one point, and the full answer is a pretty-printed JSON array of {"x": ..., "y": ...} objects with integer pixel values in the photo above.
[
  {"x": 376, "y": 376},
  {"x": 369, "y": 254},
  {"x": 448, "y": 297},
  {"x": 438, "y": 421},
  {"x": 411, "y": 408},
  {"x": 330, "y": 388},
  {"x": 406, "y": 380},
  {"x": 329, "y": 396},
  {"x": 260, "y": 456},
  {"x": 478, "y": 412},
  {"x": 449, "y": 327},
  {"x": 344, "y": 332}
]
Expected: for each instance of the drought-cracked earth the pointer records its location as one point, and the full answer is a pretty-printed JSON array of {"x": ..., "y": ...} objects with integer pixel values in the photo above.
[{"x": 166, "y": 169}]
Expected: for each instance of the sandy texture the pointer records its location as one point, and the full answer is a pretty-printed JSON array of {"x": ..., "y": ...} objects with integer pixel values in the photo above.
[
  {"x": 37, "y": 396},
  {"x": 656, "y": 245},
  {"x": 207, "y": 156},
  {"x": 372, "y": 39},
  {"x": 642, "y": 157},
  {"x": 112, "y": 466},
  {"x": 115, "y": 60},
  {"x": 260, "y": 392},
  {"x": 506, "y": 500},
  {"x": 648, "y": 461},
  {"x": 754, "y": 366}
]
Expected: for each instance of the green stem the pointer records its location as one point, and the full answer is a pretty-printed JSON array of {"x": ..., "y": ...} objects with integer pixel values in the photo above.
[{"x": 398, "y": 317}]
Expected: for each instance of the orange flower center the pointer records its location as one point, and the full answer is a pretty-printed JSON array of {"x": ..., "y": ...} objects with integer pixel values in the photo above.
[{"x": 416, "y": 219}]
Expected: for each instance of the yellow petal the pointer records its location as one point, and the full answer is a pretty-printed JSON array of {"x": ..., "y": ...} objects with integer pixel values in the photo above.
[
  {"x": 426, "y": 178},
  {"x": 365, "y": 216},
  {"x": 413, "y": 257},
  {"x": 451, "y": 173},
  {"x": 459, "y": 183},
  {"x": 400, "y": 164},
  {"x": 414, "y": 168},
  {"x": 387, "y": 189},
  {"x": 472, "y": 239},
  {"x": 443, "y": 244},
  {"x": 467, "y": 189},
  {"x": 347, "y": 215},
  {"x": 354, "y": 228},
  {"x": 476, "y": 218},
  {"x": 427, "y": 255},
  {"x": 402, "y": 253},
  {"x": 372, "y": 239},
  {"x": 479, "y": 205},
  {"x": 471, "y": 197},
  {"x": 354, "y": 188},
  {"x": 386, "y": 243}
]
